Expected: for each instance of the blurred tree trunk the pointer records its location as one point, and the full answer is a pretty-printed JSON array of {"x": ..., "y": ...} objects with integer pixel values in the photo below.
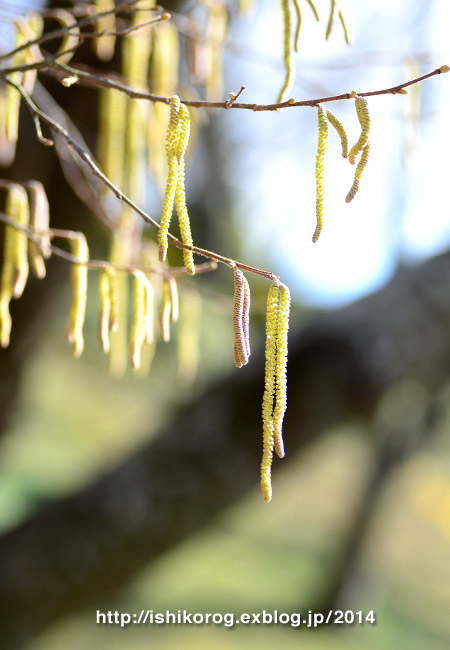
[{"x": 80, "y": 549}]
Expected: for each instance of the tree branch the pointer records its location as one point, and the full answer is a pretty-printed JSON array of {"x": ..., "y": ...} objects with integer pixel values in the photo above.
[
  {"x": 87, "y": 158},
  {"x": 97, "y": 80}
]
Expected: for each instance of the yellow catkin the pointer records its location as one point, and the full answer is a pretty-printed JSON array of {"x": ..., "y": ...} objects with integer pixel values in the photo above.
[
  {"x": 246, "y": 6},
  {"x": 15, "y": 264},
  {"x": 135, "y": 69},
  {"x": 166, "y": 310},
  {"x": 136, "y": 168},
  {"x": 79, "y": 280},
  {"x": 216, "y": 32},
  {"x": 334, "y": 121},
  {"x": 12, "y": 96},
  {"x": 72, "y": 38},
  {"x": 345, "y": 28},
  {"x": 330, "y": 20},
  {"x": 163, "y": 78},
  {"x": 106, "y": 308},
  {"x": 149, "y": 312},
  {"x": 17, "y": 209},
  {"x": 7, "y": 148},
  {"x": 104, "y": 44},
  {"x": 269, "y": 390},
  {"x": 358, "y": 173},
  {"x": 136, "y": 49},
  {"x": 174, "y": 301},
  {"x": 31, "y": 29},
  {"x": 298, "y": 11},
  {"x": 122, "y": 251},
  {"x": 172, "y": 178},
  {"x": 289, "y": 65},
  {"x": 240, "y": 335},
  {"x": 39, "y": 223},
  {"x": 314, "y": 9},
  {"x": 280, "y": 369},
  {"x": 112, "y": 129},
  {"x": 362, "y": 111},
  {"x": 180, "y": 193},
  {"x": 164, "y": 62},
  {"x": 139, "y": 324},
  {"x": 320, "y": 169}
]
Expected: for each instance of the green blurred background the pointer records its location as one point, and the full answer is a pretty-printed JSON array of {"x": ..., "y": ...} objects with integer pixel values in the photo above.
[{"x": 73, "y": 421}]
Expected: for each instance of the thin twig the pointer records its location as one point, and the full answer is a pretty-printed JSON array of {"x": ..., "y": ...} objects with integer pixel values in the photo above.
[
  {"x": 70, "y": 163},
  {"x": 35, "y": 236},
  {"x": 120, "y": 195},
  {"x": 233, "y": 96},
  {"x": 82, "y": 22},
  {"x": 99, "y": 80}
]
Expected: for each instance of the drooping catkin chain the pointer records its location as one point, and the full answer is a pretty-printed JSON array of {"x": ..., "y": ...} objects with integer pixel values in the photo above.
[
  {"x": 289, "y": 65},
  {"x": 320, "y": 169},
  {"x": 280, "y": 368},
  {"x": 163, "y": 78},
  {"x": 39, "y": 222},
  {"x": 180, "y": 193},
  {"x": 334, "y": 121},
  {"x": 298, "y": 11},
  {"x": 358, "y": 173},
  {"x": 176, "y": 144},
  {"x": 79, "y": 280},
  {"x": 275, "y": 392},
  {"x": 241, "y": 319},
  {"x": 15, "y": 260},
  {"x": 169, "y": 306},
  {"x": 217, "y": 22},
  {"x": 333, "y": 7},
  {"x": 104, "y": 44},
  {"x": 362, "y": 111},
  {"x": 172, "y": 178},
  {"x": 142, "y": 319},
  {"x": 109, "y": 307},
  {"x": 362, "y": 144},
  {"x": 269, "y": 391}
]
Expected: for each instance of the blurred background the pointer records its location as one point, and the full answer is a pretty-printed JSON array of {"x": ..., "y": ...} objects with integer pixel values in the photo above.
[{"x": 349, "y": 526}]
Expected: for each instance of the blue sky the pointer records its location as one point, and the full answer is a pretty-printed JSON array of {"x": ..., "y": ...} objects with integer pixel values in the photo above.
[{"x": 401, "y": 211}]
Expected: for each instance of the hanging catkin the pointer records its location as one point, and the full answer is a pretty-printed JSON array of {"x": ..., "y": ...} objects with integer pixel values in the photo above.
[
  {"x": 180, "y": 193},
  {"x": 337, "y": 124},
  {"x": 289, "y": 65},
  {"x": 172, "y": 178},
  {"x": 358, "y": 173},
  {"x": 140, "y": 324},
  {"x": 280, "y": 368},
  {"x": 275, "y": 392},
  {"x": 241, "y": 310},
  {"x": 320, "y": 169},
  {"x": 169, "y": 306},
  {"x": 39, "y": 223},
  {"x": 79, "y": 280},
  {"x": 15, "y": 260},
  {"x": 269, "y": 391},
  {"x": 109, "y": 307},
  {"x": 362, "y": 111}
]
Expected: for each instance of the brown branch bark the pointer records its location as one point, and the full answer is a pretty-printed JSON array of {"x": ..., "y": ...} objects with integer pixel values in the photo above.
[{"x": 77, "y": 550}]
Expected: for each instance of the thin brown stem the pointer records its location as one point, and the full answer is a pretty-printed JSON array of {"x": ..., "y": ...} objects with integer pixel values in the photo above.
[
  {"x": 99, "y": 80},
  {"x": 87, "y": 158},
  {"x": 126, "y": 7},
  {"x": 35, "y": 236}
]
